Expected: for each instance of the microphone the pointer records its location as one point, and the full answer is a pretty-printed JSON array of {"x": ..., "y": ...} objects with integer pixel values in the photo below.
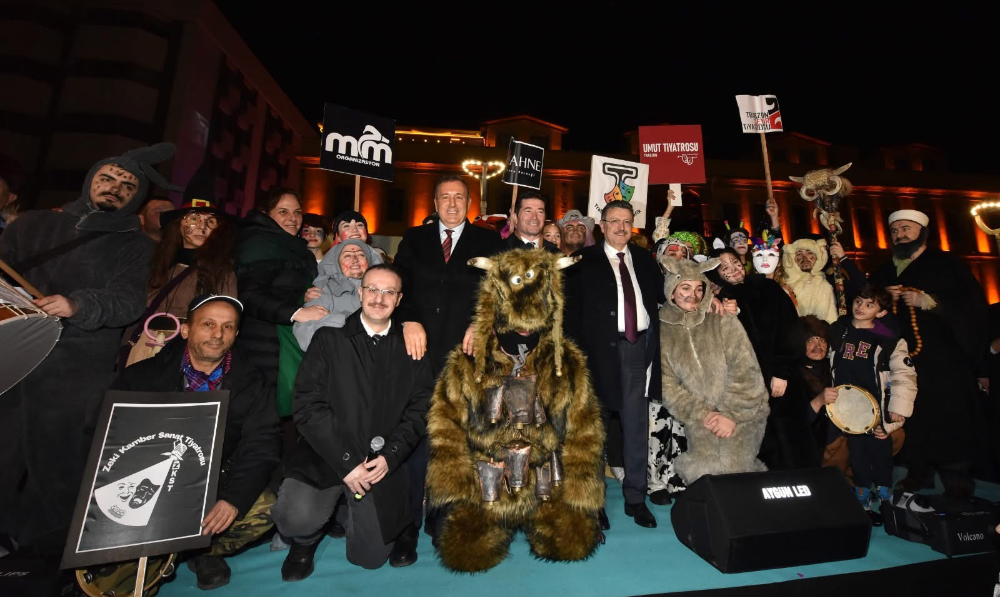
[{"x": 374, "y": 448}]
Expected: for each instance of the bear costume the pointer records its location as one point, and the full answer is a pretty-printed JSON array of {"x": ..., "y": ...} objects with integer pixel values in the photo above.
[{"x": 516, "y": 440}]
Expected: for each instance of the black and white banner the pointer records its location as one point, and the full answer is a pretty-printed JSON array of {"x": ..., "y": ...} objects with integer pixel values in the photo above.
[
  {"x": 760, "y": 113},
  {"x": 524, "y": 164},
  {"x": 357, "y": 143},
  {"x": 151, "y": 476}
]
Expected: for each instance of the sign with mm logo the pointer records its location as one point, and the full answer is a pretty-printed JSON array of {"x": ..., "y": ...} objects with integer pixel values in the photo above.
[{"x": 357, "y": 143}]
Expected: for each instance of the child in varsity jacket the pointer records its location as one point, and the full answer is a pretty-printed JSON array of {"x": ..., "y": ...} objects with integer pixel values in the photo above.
[{"x": 866, "y": 353}]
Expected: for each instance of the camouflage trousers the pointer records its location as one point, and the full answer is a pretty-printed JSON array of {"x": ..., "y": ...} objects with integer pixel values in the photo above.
[{"x": 254, "y": 523}]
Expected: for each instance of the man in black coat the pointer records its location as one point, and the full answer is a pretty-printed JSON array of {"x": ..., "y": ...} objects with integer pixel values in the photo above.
[
  {"x": 527, "y": 222},
  {"x": 250, "y": 451},
  {"x": 615, "y": 324},
  {"x": 356, "y": 384},
  {"x": 937, "y": 299},
  {"x": 92, "y": 262},
  {"x": 441, "y": 293}
]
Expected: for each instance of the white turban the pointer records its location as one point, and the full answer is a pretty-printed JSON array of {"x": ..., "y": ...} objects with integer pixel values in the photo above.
[{"x": 910, "y": 214}]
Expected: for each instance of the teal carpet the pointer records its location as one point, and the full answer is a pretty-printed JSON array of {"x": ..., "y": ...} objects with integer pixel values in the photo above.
[{"x": 634, "y": 561}]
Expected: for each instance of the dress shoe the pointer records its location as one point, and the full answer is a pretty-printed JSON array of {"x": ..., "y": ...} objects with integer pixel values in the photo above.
[
  {"x": 404, "y": 550},
  {"x": 660, "y": 497},
  {"x": 641, "y": 515},
  {"x": 298, "y": 563},
  {"x": 212, "y": 572},
  {"x": 602, "y": 518}
]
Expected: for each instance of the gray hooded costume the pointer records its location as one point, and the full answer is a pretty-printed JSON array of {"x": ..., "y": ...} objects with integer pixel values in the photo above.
[
  {"x": 45, "y": 419},
  {"x": 708, "y": 364},
  {"x": 340, "y": 293}
]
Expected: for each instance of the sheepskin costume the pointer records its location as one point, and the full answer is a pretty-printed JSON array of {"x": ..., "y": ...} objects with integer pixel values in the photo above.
[
  {"x": 522, "y": 291},
  {"x": 813, "y": 293},
  {"x": 709, "y": 365}
]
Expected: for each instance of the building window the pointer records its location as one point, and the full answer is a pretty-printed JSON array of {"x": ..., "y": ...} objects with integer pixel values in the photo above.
[
  {"x": 929, "y": 165},
  {"x": 343, "y": 199},
  {"x": 807, "y": 156},
  {"x": 800, "y": 222},
  {"x": 503, "y": 140},
  {"x": 395, "y": 206},
  {"x": 731, "y": 214},
  {"x": 902, "y": 164},
  {"x": 779, "y": 156}
]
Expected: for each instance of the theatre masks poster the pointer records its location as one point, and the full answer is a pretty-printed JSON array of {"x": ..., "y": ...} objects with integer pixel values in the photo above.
[
  {"x": 151, "y": 476},
  {"x": 618, "y": 180}
]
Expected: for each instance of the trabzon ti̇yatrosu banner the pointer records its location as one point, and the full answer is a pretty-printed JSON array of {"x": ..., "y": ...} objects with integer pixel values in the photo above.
[
  {"x": 759, "y": 113},
  {"x": 354, "y": 142},
  {"x": 151, "y": 476},
  {"x": 618, "y": 180}
]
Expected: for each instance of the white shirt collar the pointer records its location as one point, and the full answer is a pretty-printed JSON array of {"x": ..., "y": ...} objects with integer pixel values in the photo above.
[
  {"x": 456, "y": 230},
  {"x": 370, "y": 331},
  {"x": 613, "y": 252}
]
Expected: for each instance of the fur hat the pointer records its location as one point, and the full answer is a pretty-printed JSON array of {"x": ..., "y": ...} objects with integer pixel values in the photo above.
[
  {"x": 814, "y": 326},
  {"x": 521, "y": 291},
  {"x": 679, "y": 271}
]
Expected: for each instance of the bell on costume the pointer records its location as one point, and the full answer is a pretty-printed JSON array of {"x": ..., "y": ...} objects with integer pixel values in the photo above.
[
  {"x": 519, "y": 396},
  {"x": 543, "y": 481},
  {"x": 490, "y": 479},
  {"x": 494, "y": 403},
  {"x": 516, "y": 459},
  {"x": 557, "y": 470}
]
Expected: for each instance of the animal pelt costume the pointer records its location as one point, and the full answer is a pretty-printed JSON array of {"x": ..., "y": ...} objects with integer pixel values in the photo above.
[
  {"x": 813, "y": 293},
  {"x": 522, "y": 291},
  {"x": 709, "y": 365}
]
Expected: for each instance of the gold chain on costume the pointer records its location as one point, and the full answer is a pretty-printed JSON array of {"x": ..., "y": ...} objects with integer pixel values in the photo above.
[{"x": 913, "y": 321}]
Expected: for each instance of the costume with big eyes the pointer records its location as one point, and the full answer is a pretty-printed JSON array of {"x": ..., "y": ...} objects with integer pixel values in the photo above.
[{"x": 516, "y": 439}]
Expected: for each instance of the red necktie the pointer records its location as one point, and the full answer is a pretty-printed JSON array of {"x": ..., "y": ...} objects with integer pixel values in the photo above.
[
  {"x": 631, "y": 325},
  {"x": 446, "y": 245}
]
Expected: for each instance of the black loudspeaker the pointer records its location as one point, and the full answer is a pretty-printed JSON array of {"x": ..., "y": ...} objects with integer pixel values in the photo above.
[{"x": 756, "y": 521}]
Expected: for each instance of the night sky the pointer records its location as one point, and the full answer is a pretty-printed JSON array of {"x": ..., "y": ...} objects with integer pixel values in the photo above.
[{"x": 862, "y": 78}]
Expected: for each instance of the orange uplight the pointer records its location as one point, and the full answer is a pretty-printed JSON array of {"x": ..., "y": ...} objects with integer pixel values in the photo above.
[
  {"x": 982, "y": 241},
  {"x": 854, "y": 228},
  {"x": 942, "y": 229},
  {"x": 368, "y": 203},
  {"x": 879, "y": 224}
]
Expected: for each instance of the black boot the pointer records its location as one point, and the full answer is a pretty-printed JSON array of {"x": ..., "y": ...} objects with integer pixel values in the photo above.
[
  {"x": 404, "y": 551},
  {"x": 298, "y": 563},
  {"x": 212, "y": 571}
]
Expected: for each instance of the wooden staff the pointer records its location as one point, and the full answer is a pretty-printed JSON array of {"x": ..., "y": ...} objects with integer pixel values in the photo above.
[
  {"x": 20, "y": 280},
  {"x": 357, "y": 194}
]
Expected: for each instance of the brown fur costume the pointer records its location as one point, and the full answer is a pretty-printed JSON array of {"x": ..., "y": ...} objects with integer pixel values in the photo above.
[{"x": 522, "y": 291}]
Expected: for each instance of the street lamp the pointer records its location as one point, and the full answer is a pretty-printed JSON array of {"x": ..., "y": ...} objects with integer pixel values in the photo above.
[
  {"x": 991, "y": 206},
  {"x": 483, "y": 171}
]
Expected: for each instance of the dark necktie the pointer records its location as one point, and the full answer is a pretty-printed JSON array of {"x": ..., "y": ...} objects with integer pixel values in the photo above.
[
  {"x": 375, "y": 339},
  {"x": 631, "y": 325},
  {"x": 446, "y": 245},
  {"x": 530, "y": 245}
]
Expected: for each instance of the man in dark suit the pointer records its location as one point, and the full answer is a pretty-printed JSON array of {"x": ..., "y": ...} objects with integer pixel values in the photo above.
[
  {"x": 356, "y": 383},
  {"x": 441, "y": 292},
  {"x": 611, "y": 312},
  {"x": 527, "y": 221}
]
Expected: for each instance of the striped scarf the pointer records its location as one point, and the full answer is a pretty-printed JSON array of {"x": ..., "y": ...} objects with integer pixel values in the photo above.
[{"x": 202, "y": 382}]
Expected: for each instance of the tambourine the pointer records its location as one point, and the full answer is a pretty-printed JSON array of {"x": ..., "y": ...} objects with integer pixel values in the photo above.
[{"x": 856, "y": 411}]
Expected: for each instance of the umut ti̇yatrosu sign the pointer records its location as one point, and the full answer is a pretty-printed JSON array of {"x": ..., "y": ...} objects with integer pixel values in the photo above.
[{"x": 674, "y": 153}]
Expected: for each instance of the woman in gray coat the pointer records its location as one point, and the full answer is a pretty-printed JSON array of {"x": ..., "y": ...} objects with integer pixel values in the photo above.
[{"x": 339, "y": 279}]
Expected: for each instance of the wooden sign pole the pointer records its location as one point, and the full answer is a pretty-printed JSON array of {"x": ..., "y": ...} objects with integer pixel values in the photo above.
[
  {"x": 767, "y": 165},
  {"x": 140, "y": 578},
  {"x": 357, "y": 192}
]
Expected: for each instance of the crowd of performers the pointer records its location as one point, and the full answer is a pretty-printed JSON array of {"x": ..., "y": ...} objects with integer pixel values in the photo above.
[{"x": 512, "y": 375}]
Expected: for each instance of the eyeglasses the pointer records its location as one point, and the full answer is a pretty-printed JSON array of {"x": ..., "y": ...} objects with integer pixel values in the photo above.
[
  {"x": 616, "y": 222},
  {"x": 387, "y": 293},
  {"x": 194, "y": 220}
]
